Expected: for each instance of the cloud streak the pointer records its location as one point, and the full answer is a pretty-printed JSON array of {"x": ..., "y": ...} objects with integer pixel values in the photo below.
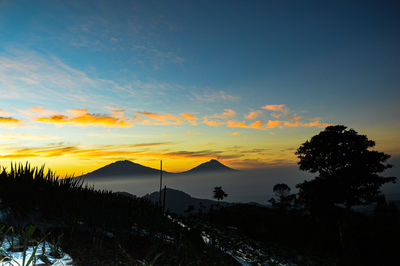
[
  {"x": 82, "y": 118},
  {"x": 11, "y": 122},
  {"x": 253, "y": 114},
  {"x": 7, "y": 120},
  {"x": 284, "y": 119},
  {"x": 114, "y": 151},
  {"x": 213, "y": 96},
  {"x": 26, "y": 136},
  {"x": 276, "y": 107},
  {"x": 238, "y": 124},
  {"x": 165, "y": 119},
  {"x": 159, "y": 119},
  {"x": 225, "y": 115},
  {"x": 118, "y": 119},
  {"x": 42, "y": 77},
  {"x": 192, "y": 119}
]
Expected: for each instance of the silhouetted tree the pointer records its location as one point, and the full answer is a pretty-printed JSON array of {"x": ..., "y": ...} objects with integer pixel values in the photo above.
[
  {"x": 282, "y": 193},
  {"x": 281, "y": 190},
  {"x": 348, "y": 169},
  {"x": 219, "y": 194}
]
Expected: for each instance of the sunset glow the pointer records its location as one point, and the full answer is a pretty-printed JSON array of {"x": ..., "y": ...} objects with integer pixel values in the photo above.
[{"x": 83, "y": 84}]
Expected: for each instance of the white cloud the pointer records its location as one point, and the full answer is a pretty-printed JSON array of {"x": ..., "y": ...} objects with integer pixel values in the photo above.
[{"x": 27, "y": 75}]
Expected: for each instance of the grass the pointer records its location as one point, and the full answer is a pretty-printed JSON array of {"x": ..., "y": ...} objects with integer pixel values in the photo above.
[
  {"x": 27, "y": 189},
  {"x": 96, "y": 225}
]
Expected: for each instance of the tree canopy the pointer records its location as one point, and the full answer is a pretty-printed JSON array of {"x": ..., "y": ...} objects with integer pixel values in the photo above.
[
  {"x": 281, "y": 190},
  {"x": 219, "y": 194},
  {"x": 284, "y": 198},
  {"x": 347, "y": 167}
]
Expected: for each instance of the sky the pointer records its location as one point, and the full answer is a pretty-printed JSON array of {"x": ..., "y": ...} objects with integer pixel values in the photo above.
[{"x": 86, "y": 83}]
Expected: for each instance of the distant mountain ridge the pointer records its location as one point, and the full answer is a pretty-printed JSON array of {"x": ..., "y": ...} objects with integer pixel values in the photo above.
[
  {"x": 130, "y": 169},
  {"x": 210, "y": 166},
  {"x": 123, "y": 168}
]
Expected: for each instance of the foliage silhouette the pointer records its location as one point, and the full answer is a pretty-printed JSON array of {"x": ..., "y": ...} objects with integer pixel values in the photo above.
[
  {"x": 282, "y": 193},
  {"x": 219, "y": 194},
  {"x": 323, "y": 233},
  {"x": 348, "y": 169},
  {"x": 366, "y": 238},
  {"x": 86, "y": 217},
  {"x": 281, "y": 190}
]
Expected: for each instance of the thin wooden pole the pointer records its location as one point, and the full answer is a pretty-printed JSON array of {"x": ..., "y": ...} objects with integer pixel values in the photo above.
[
  {"x": 159, "y": 201},
  {"x": 165, "y": 194}
]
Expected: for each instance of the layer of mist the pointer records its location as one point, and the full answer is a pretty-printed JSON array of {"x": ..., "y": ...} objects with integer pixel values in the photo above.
[{"x": 241, "y": 186}]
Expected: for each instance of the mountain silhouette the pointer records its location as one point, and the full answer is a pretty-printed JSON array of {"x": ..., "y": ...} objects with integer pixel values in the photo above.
[
  {"x": 123, "y": 168},
  {"x": 130, "y": 169},
  {"x": 210, "y": 166}
]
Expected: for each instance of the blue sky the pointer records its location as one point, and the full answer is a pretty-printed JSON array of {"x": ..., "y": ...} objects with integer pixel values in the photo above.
[{"x": 335, "y": 62}]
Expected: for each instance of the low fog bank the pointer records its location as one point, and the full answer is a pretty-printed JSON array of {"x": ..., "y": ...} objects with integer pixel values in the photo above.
[{"x": 241, "y": 186}]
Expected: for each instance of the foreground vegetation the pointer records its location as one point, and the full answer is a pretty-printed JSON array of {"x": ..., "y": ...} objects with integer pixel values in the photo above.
[
  {"x": 342, "y": 238},
  {"x": 96, "y": 227},
  {"x": 316, "y": 226}
]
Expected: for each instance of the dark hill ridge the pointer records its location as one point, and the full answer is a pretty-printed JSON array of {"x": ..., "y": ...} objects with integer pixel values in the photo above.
[
  {"x": 130, "y": 169},
  {"x": 178, "y": 201}
]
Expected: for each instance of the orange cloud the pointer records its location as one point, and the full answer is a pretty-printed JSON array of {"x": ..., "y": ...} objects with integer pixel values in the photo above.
[
  {"x": 161, "y": 119},
  {"x": 234, "y": 123},
  {"x": 275, "y": 107},
  {"x": 254, "y": 125},
  {"x": 52, "y": 151},
  {"x": 82, "y": 117},
  {"x": 41, "y": 111},
  {"x": 111, "y": 151},
  {"x": 191, "y": 118},
  {"x": 235, "y": 133},
  {"x": 293, "y": 124},
  {"x": 11, "y": 122},
  {"x": 8, "y": 120},
  {"x": 204, "y": 154},
  {"x": 211, "y": 122},
  {"x": 166, "y": 119},
  {"x": 316, "y": 123},
  {"x": 228, "y": 113},
  {"x": 253, "y": 115},
  {"x": 273, "y": 124},
  {"x": 36, "y": 110},
  {"x": 77, "y": 112},
  {"x": 142, "y": 121}
]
